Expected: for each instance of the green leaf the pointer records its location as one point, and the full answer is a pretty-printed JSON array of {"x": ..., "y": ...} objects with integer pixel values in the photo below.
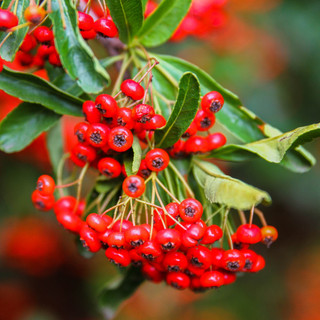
[
  {"x": 104, "y": 185},
  {"x": 22, "y": 125},
  {"x": 128, "y": 17},
  {"x": 114, "y": 295},
  {"x": 271, "y": 149},
  {"x": 13, "y": 42},
  {"x": 243, "y": 124},
  {"x": 183, "y": 112},
  {"x": 225, "y": 190},
  {"x": 144, "y": 4},
  {"x": 162, "y": 23},
  {"x": 55, "y": 145},
  {"x": 132, "y": 162},
  {"x": 31, "y": 88},
  {"x": 75, "y": 54}
]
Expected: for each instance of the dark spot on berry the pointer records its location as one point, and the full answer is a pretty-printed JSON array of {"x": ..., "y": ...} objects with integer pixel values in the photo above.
[
  {"x": 148, "y": 257},
  {"x": 238, "y": 245},
  {"x": 40, "y": 204},
  {"x": 121, "y": 122},
  {"x": 186, "y": 135},
  {"x": 104, "y": 245},
  {"x": 136, "y": 264},
  {"x": 80, "y": 136},
  {"x": 119, "y": 140},
  {"x": 35, "y": 20},
  {"x": 173, "y": 269},
  {"x": 215, "y": 106},
  {"x": 145, "y": 173},
  {"x": 175, "y": 285},
  {"x": 115, "y": 263},
  {"x": 137, "y": 243},
  {"x": 168, "y": 246},
  {"x": 233, "y": 265},
  {"x": 132, "y": 187},
  {"x": 248, "y": 264},
  {"x": 102, "y": 111},
  {"x": 102, "y": 35},
  {"x": 268, "y": 241},
  {"x": 107, "y": 173},
  {"x": 82, "y": 157},
  {"x": 157, "y": 163},
  {"x": 189, "y": 211},
  {"x": 40, "y": 186},
  {"x": 95, "y": 137},
  {"x": 205, "y": 122},
  {"x": 108, "y": 120},
  {"x": 195, "y": 261},
  {"x": 144, "y": 119},
  {"x": 189, "y": 273},
  {"x": 84, "y": 244}
]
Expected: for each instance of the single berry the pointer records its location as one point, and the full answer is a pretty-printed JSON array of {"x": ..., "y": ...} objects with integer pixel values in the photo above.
[
  {"x": 109, "y": 167},
  {"x": 80, "y": 130},
  {"x": 46, "y": 185},
  {"x": 178, "y": 280},
  {"x": 34, "y": 14},
  {"x": 43, "y": 35},
  {"x": 136, "y": 236},
  {"x": 269, "y": 235},
  {"x": 97, "y": 222},
  {"x": 204, "y": 120},
  {"x": 85, "y": 21},
  {"x": 120, "y": 139},
  {"x": 169, "y": 239},
  {"x": 119, "y": 257},
  {"x": 213, "y": 233},
  {"x": 212, "y": 279},
  {"x": 105, "y": 28},
  {"x": 81, "y": 154},
  {"x": 133, "y": 186},
  {"x": 216, "y": 140},
  {"x": 8, "y": 20},
  {"x": 175, "y": 262},
  {"x": 132, "y": 89},
  {"x": 107, "y": 105},
  {"x": 200, "y": 257},
  {"x": 142, "y": 113},
  {"x": 28, "y": 43},
  {"x": 90, "y": 239},
  {"x": 124, "y": 118},
  {"x": 212, "y": 102},
  {"x": 249, "y": 233},
  {"x": 92, "y": 115},
  {"x": 233, "y": 260},
  {"x": 196, "y": 144},
  {"x": 157, "y": 159},
  {"x": 42, "y": 202},
  {"x": 190, "y": 210},
  {"x": 98, "y": 134}
]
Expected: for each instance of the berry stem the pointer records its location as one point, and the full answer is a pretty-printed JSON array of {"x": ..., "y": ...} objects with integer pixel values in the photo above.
[
  {"x": 224, "y": 224},
  {"x": 166, "y": 190},
  {"x": 260, "y": 214},
  {"x": 125, "y": 64},
  {"x": 115, "y": 206},
  {"x": 251, "y": 215},
  {"x": 181, "y": 178},
  {"x": 60, "y": 171},
  {"x": 110, "y": 197},
  {"x": 242, "y": 217},
  {"x": 67, "y": 184},
  {"x": 214, "y": 214}
]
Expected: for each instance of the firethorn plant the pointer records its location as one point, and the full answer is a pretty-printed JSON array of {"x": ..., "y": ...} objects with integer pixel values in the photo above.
[{"x": 158, "y": 201}]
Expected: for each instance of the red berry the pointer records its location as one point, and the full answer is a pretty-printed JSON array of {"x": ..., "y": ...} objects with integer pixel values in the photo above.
[
  {"x": 212, "y": 102},
  {"x": 8, "y": 20},
  {"x": 34, "y": 14},
  {"x": 80, "y": 130},
  {"x": 133, "y": 186},
  {"x": 136, "y": 236},
  {"x": 258, "y": 265},
  {"x": 157, "y": 159},
  {"x": 269, "y": 235},
  {"x": 97, "y": 222},
  {"x": 237, "y": 244},
  {"x": 212, "y": 234},
  {"x": 42, "y": 202},
  {"x": 175, "y": 262},
  {"x": 200, "y": 257},
  {"x": 190, "y": 210},
  {"x": 90, "y": 34},
  {"x": 216, "y": 256},
  {"x": 144, "y": 171},
  {"x": 204, "y": 121},
  {"x": 43, "y": 35},
  {"x": 98, "y": 134},
  {"x": 119, "y": 257},
  {"x": 151, "y": 273},
  {"x": 249, "y": 233},
  {"x": 105, "y": 27},
  {"x": 212, "y": 279},
  {"x": 177, "y": 151},
  {"x": 24, "y": 58},
  {"x": 191, "y": 131},
  {"x": 70, "y": 221},
  {"x": 81, "y": 154},
  {"x": 68, "y": 204},
  {"x": 142, "y": 113},
  {"x": 216, "y": 140},
  {"x": 28, "y": 43},
  {"x": 132, "y": 89},
  {"x": 228, "y": 277},
  {"x": 90, "y": 239},
  {"x": 46, "y": 185},
  {"x": 233, "y": 260},
  {"x": 107, "y": 105},
  {"x": 120, "y": 139},
  {"x": 116, "y": 239},
  {"x": 169, "y": 239},
  {"x": 85, "y": 21},
  {"x": 196, "y": 144},
  {"x": 178, "y": 280},
  {"x": 150, "y": 250},
  {"x": 44, "y": 51},
  {"x": 109, "y": 167},
  {"x": 250, "y": 258},
  {"x": 156, "y": 122},
  {"x": 54, "y": 59},
  {"x": 90, "y": 112},
  {"x": 124, "y": 118},
  {"x": 122, "y": 225}
]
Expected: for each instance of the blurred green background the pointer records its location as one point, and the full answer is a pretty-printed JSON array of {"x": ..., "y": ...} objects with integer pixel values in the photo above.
[{"x": 273, "y": 64}]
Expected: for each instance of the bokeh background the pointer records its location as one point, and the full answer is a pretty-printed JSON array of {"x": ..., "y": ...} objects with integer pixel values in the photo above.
[{"x": 268, "y": 53}]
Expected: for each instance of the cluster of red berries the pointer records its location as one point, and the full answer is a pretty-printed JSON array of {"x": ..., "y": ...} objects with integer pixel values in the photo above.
[
  {"x": 177, "y": 247},
  {"x": 191, "y": 143}
]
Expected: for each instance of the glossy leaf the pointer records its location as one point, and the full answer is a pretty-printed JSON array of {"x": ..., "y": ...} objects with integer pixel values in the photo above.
[
  {"x": 115, "y": 294},
  {"x": 24, "y": 124},
  {"x": 243, "y": 124},
  {"x": 225, "y": 190},
  {"x": 128, "y": 17},
  {"x": 144, "y": 4},
  {"x": 13, "y": 42},
  {"x": 162, "y": 23},
  {"x": 31, "y": 88},
  {"x": 132, "y": 162},
  {"x": 75, "y": 54},
  {"x": 183, "y": 112},
  {"x": 55, "y": 145},
  {"x": 270, "y": 149}
]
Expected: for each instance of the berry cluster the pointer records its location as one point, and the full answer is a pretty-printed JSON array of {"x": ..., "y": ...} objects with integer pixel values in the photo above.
[
  {"x": 134, "y": 224},
  {"x": 38, "y": 45}
]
